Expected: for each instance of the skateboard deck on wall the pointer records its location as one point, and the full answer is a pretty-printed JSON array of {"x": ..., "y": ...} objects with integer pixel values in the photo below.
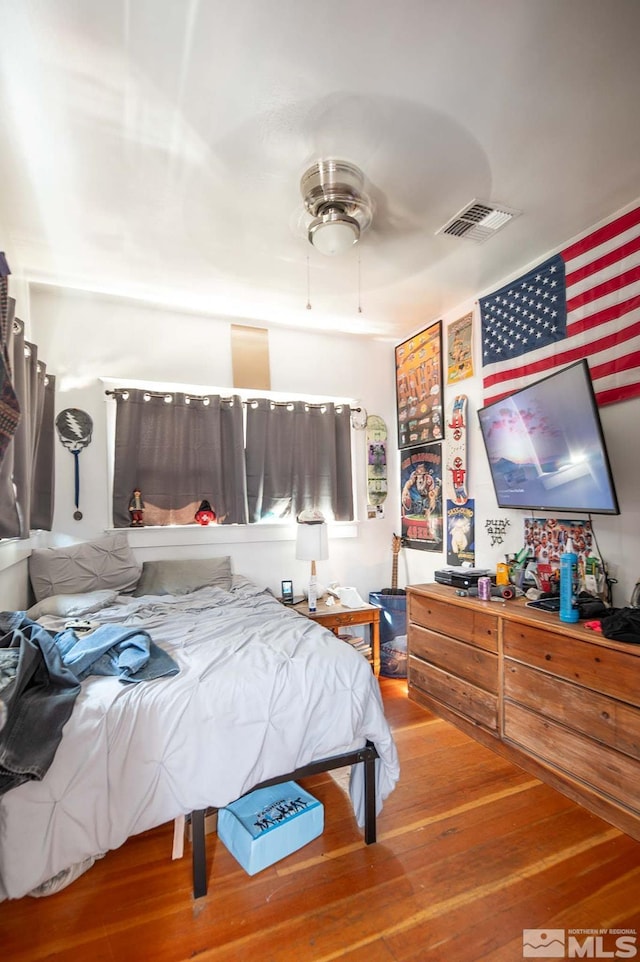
[
  {"x": 376, "y": 438},
  {"x": 457, "y": 449}
]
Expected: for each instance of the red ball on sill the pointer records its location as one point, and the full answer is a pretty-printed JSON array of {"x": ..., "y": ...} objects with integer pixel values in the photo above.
[{"x": 205, "y": 514}]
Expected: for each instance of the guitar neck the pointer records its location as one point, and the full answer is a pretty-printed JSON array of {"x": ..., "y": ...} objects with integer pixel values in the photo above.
[{"x": 395, "y": 547}]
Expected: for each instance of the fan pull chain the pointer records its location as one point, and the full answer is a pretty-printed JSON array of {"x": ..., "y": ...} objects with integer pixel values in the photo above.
[
  {"x": 308, "y": 286},
  {"x": 359, "y": 287}
]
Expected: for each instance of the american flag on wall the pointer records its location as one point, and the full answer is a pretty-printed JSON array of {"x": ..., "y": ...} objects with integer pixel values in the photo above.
[{"x": 583, "y": 302}]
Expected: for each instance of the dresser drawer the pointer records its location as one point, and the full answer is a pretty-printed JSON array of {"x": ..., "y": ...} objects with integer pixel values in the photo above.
[
  {"x": 598, "y": 716},
  {"x": 611, "y": 773},
  {"x": 465, "y": 622},
  {"x": 473, "y": 664},
  {"x": 594, "y": 666},
  {"x": 338, "y": 619},
  {"x": 460, "y": 696}
]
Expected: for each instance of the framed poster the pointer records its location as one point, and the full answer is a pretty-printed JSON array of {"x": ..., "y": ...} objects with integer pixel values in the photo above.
[
  {"x": 419, "y": 387},
  {"x": 421, "y": 497},
  {"x": 459, "y": 349}
]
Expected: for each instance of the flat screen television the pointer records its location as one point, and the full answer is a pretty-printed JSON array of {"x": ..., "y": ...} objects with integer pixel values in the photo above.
[{"x": 546, "y": 448}]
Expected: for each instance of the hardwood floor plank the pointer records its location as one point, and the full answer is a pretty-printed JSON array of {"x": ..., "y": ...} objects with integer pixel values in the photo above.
[
  {"x": 487, "y": 923},
  {"x": 377, "y": 952}
]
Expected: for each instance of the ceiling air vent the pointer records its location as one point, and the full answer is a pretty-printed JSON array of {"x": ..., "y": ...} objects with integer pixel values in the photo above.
[{"x": 478, "y": 221}]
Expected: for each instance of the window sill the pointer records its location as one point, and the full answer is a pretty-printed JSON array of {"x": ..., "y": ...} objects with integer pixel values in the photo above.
[{"x": 195, "y": 534}]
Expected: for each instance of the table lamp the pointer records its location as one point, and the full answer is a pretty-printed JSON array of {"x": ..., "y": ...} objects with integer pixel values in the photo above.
[{"x": 312, "y": 545}]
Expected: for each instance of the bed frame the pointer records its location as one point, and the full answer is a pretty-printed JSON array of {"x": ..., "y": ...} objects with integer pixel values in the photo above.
[{"x": 366, "y": 756}]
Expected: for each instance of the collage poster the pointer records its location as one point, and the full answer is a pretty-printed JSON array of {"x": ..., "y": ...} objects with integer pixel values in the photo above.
[
  {"x": 546, "y": 539},
  {"x": 419, "y": 388},
  {"x": 421, "y": 498},
  {"x": 459, "y": 349}
]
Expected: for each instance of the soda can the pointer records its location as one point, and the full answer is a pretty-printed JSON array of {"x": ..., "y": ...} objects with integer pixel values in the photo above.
[{"x": 484, "y": 589}]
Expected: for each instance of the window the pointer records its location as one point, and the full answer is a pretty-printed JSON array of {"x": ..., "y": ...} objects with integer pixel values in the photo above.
[
  {"x": 298, "y": 456},
  {"x": 177, "y": 450},
  {"x": 257, "y": 460}
]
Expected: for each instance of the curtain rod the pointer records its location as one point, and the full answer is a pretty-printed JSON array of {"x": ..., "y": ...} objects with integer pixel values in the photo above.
[{"x": 202, "y": 397}]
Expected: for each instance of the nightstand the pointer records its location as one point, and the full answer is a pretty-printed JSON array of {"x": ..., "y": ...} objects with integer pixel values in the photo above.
[{"x": 335, "y": 617}]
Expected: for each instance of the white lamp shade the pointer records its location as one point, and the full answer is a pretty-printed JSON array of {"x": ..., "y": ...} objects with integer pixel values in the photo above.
[{"x": 312, "y": 543}]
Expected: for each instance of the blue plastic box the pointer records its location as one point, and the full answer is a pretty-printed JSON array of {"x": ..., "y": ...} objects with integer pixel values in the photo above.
[{"x": 270, "y": 823}]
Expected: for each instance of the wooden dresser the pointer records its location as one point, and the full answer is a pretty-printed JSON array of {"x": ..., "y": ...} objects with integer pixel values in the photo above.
[{"x": 559, "y": 700}]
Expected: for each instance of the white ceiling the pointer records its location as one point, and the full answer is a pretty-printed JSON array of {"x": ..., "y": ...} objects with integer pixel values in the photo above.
[{"x": 153, "y": 148}]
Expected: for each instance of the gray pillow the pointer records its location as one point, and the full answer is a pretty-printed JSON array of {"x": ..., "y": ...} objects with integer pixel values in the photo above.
[
  {"x": 107, "y": 562},
  {"x": 73, "y": 606},
  {"x": 177, "y": 577}
]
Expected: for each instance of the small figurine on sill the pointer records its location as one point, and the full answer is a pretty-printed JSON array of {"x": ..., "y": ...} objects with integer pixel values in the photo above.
[
  {"x": 136, "y": 509},
  {"x": 205, "y": 513}
]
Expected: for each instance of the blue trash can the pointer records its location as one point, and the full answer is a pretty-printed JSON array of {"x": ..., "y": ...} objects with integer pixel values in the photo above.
[{"x": 393, "y": 633}]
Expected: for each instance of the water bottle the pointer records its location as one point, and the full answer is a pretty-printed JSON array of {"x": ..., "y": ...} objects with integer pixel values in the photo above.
[{"x": 568, "y": 585}]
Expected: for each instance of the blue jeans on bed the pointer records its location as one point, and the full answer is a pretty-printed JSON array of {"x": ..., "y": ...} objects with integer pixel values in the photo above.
[
  {"x": 128, "y": 653},
  {"x": 39, "y": 701}
]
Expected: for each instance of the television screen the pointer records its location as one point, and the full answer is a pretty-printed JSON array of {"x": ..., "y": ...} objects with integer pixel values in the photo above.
[{"x": 546, "y": 448}]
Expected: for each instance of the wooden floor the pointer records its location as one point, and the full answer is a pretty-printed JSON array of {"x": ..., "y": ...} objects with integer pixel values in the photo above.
[{"x": 471, "y": 850}]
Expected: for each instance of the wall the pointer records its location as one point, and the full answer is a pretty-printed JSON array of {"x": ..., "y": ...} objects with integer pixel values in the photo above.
[
  {"x": 84, "y": 338},
  {"x": 617, "y": 536}
]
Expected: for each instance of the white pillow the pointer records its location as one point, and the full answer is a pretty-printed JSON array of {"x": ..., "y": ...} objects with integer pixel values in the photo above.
[
  {"x": 107, "y": 562},
  {"x": 72, "y": 606}
]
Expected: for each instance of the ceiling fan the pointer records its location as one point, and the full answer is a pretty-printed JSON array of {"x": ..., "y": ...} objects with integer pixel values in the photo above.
[{"x": 335, "y": 196}]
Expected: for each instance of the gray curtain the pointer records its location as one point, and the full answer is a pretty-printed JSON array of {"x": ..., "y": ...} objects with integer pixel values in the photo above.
[
  {"x": 178, "y": 450},
  {"x": 27, "y": 468},
  {"x": 298, "y": 456},
  {"x": 43, "y": 485},
  {"x": 9, "y": 404}
]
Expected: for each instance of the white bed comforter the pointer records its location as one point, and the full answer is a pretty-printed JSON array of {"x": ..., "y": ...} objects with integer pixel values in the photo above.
[{"x": 261, "y": 691}]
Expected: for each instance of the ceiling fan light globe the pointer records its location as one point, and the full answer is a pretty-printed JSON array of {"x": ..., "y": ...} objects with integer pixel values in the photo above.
[{"x": 334, "y": 233}]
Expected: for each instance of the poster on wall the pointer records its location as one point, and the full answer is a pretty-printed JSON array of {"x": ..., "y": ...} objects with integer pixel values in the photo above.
[
  {"x": 547, "y": 538},
  {"x": 459, "y": 349},
  {"x": 421, "y": 497},
  {"x": 461, "y": 538},
  {"x": 419, "y": 387}
]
